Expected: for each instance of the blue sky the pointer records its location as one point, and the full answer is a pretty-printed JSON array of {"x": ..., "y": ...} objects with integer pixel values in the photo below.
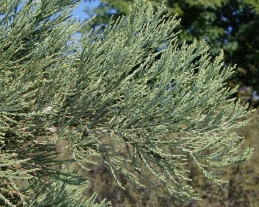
[{"x": 79, "y": 11}]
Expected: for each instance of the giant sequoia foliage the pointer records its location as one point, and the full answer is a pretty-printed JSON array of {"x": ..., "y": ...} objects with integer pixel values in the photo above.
[
  {"x": 231, "y": 25},
  {"x": 108, "y": 97}
]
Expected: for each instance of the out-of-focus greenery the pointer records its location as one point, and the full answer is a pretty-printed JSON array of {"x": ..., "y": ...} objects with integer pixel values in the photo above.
[{"x": 228, "y": 24}]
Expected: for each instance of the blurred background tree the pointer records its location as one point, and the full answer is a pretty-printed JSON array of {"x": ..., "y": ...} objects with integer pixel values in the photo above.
[{"x": 228, "y": 24}]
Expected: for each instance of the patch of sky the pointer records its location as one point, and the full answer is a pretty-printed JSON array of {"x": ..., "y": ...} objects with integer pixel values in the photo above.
[{"x": 80, "y": 11}]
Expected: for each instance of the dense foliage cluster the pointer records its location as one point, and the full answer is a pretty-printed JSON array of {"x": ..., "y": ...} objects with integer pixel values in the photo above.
[{"x": 108, "y": 96}]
